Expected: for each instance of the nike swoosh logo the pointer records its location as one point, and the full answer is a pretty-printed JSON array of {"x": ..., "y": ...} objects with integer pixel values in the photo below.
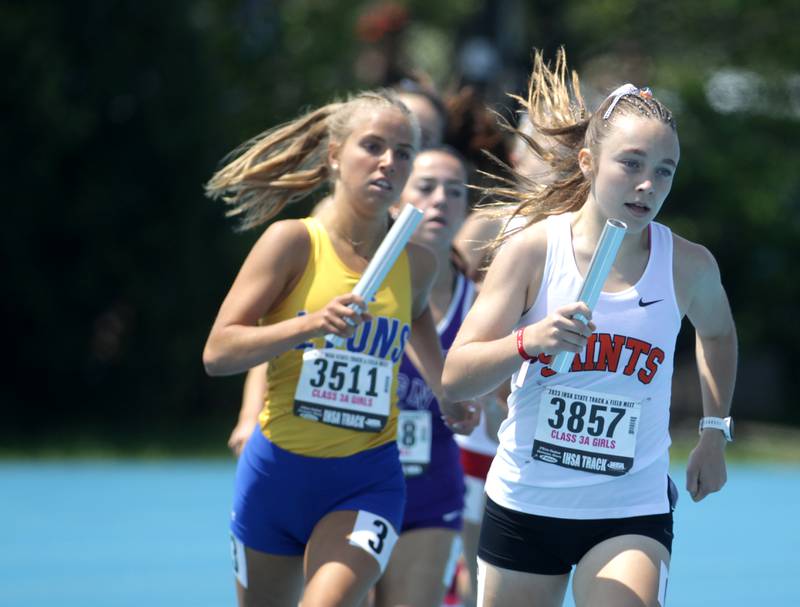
[{"x": 644, "y": 304}]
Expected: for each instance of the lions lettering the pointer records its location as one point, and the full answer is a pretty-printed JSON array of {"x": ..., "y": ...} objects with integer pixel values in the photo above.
[{"x": 382, "y": 337}]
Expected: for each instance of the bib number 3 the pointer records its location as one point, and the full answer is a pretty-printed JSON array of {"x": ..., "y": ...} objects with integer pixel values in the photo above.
[{"x": 374, "y": 534}]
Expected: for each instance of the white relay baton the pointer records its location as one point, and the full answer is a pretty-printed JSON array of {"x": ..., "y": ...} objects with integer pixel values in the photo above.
[
  {"x": 599, "y": 267},
  {"x": 383, "y": 260}
]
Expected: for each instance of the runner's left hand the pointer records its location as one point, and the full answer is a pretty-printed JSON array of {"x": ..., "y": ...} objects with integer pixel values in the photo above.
[
  {"x": 706, "y": 472},
  {"x": 461, "y": 417}
]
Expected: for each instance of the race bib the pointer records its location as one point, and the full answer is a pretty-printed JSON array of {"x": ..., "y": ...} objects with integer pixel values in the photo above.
[
  {"x": 374, "y": 534},
  {"x": 588, "y": 431},
  {"x": 344, "y": 389},
  {"x": 414, "y": 441}
]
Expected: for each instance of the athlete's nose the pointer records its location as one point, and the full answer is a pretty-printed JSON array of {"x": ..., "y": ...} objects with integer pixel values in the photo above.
[
  {"x": 387, "y": 161},
  {"x": 439, "y": 197},
  {"x": 646, "y": 187}
]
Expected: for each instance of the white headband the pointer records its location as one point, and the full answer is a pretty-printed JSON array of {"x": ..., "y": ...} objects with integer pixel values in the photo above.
[{"x": 625, "y": 89}]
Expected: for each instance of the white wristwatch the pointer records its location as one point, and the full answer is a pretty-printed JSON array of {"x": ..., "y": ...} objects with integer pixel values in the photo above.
[{"x": 725, "y": 424}]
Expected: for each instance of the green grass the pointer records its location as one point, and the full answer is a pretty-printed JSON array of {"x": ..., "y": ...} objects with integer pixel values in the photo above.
[{"x": 753, "y": 442}]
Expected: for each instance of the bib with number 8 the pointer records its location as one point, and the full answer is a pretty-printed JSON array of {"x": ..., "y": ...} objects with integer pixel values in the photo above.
[
  {"x": 588, "y": 431},
  {"x": 344, "y": 389},
  {"x": 414, "y": 433}
]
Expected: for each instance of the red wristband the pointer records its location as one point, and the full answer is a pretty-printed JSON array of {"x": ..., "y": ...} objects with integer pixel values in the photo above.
[{"x": 520, "y": 345}]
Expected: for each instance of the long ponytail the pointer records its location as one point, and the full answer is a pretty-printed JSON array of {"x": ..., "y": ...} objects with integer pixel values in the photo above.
[{"x": 288, "y": 162}]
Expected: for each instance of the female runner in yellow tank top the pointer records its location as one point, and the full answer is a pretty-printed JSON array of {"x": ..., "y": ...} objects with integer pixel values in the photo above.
[{"x": 319, "y": 491}]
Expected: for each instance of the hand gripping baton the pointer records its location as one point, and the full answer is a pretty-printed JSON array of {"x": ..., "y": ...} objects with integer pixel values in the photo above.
[
  {"x": 383, "y": 260},
  {"x": 599, "y": 267}
]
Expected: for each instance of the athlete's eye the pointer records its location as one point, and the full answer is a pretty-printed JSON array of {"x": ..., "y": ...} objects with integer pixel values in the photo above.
[{"x": 372, "y": 146}]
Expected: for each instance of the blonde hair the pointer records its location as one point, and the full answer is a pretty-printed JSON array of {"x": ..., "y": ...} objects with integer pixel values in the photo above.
[
  {"x": 556, "y": 109},
  {"x": 289, "y": 162}
]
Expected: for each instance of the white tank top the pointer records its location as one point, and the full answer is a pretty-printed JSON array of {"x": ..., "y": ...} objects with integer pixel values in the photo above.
[{"x": 593, "y": 442}]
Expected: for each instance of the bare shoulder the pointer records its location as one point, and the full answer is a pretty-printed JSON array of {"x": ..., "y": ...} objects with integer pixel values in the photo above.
[
  {"x": 281, "y": 252},
  {"x": 518, "y": 266},
  {"x": 422, "y": 262},
  {"x": 698, "y": 288},
  {"x": 533, "y": 239},
  {"x": 472, "y": 240},
  {"x": 287, "y": 233},
  {"x": 419, "y": 254},
  {"x": 693, "y": 265},
  {"x": 287, "y": 238},
  {"x": 480, "y": 226},
  {"x": 525, "y": 250}
]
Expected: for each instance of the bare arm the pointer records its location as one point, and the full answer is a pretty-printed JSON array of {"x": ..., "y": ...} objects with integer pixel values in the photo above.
[
  {"x": 716, "y": 353},
  {"x": 255, "y": 387},
  {"x": 479, "y": 229},
  {"x": 236, "y": 342},
  {"x": 484, "y": 353},
  {"x": 424, "y": 348}
]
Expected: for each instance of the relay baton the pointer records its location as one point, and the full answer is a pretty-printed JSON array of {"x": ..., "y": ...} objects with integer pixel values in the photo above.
[
  {"x": 383, "y": 260},
  {"x": 599, "y": 267}
]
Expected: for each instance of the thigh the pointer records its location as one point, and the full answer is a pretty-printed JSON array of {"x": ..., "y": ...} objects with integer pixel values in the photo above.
[
  {"x": 623, "y": 571},
  {"x": 474, "y": 502},
  {"x": 417, "y": 569},
  {"x": 271, "y": 580},
  {"x": 498, "y": 587},
  {"x": 339, "y": 572},
  {"x": 468, "y": 580}
]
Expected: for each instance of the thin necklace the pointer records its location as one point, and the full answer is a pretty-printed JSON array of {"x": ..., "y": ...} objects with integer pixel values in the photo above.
[{"x": 353, "y": 243}]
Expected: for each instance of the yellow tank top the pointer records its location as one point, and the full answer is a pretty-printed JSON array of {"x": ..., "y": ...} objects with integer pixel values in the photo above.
[{"x": 284, "y": 419}]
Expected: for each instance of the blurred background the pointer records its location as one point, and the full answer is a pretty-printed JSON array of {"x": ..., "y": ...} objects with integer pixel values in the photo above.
[
  {"x": 115, "y": 479},
  {"x": 116, "y": 112}
]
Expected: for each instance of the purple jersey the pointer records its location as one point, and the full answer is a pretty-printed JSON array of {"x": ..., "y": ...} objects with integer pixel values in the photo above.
[{"x": 430, "y": 455}]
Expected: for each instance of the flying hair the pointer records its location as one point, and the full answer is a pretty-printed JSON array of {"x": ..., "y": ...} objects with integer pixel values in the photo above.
[
  {"x": 557, "y": 112},
  {"x": 289, "y": 162}
]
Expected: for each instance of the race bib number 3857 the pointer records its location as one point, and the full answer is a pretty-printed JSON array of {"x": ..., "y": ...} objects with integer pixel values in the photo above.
[
  {"x": 344, "y": 389},
  {"x": 588, "y": 431}
]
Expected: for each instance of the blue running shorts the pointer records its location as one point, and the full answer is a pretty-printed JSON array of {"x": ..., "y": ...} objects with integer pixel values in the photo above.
[{"x": 279, "y": 496}]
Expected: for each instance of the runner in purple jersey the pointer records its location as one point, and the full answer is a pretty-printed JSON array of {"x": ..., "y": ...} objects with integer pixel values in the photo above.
[{"x": 423, "y": 561}]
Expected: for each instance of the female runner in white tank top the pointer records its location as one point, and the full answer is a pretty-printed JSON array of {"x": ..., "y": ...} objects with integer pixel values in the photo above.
[{"x": 580, "y": 477}]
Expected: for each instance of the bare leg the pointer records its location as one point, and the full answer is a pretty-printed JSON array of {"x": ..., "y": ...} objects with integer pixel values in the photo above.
[
  {"x": 415, "y": 575},
  {"x": 624, "y": 571},
  {"x": 272, "y": 580},
  {"x": 475, "y": 502},
  {"x": 468, "y": 581},
  {"x": 499, "y": 587},
  {"x": 338, "y": 574}
]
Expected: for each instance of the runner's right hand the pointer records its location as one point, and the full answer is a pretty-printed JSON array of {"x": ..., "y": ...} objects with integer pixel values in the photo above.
[
  {"x": 338, "y": 318},
  {"x": 559, "y": 331}
]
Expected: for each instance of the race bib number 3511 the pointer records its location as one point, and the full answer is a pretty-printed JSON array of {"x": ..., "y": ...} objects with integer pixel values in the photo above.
[
  {"x": 344, "y": 389},
  {"x": 588, "y": 431}
]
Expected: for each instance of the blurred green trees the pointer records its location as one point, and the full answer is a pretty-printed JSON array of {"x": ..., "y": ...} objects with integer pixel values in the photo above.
[{"x": 116, "y": 112}]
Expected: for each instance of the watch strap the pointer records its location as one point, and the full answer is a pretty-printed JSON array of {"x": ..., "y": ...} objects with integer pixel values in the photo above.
[{"x": 717, "y": 423}]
